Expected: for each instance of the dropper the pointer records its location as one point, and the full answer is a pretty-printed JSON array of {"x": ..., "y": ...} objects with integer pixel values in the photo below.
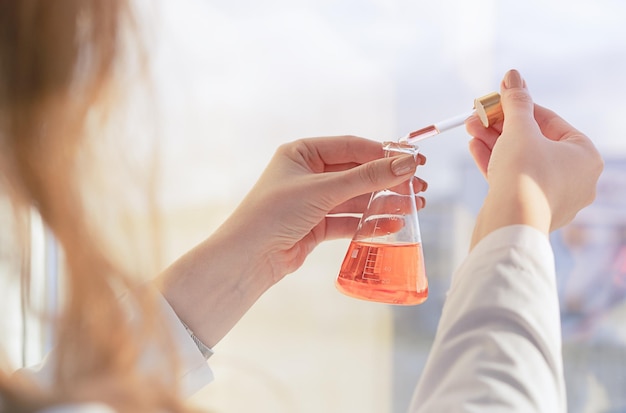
[{"x": 487, "y": 108}]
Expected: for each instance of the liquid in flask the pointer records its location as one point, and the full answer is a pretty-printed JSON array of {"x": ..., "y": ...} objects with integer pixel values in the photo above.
[{"x": 385, "y": 261}]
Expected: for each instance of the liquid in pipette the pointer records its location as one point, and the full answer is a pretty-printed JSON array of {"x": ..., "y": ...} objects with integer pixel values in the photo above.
[
  {"x": 435, "y": 129},
  {"x": 423, "y": 133}
]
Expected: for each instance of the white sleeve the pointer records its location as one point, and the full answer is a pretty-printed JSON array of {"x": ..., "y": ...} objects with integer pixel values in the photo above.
[
  {"x": 195, "y": 372},
  {"x": 498, "y": 344},
  {"x": 79, "y": 408}
]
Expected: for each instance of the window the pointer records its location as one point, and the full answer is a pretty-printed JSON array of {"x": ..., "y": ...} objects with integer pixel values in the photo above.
[{"x": 237, "y": 78}]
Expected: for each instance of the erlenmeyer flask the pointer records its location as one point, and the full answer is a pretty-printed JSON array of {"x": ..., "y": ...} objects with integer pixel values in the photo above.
[{"x": 385, "y": 262}]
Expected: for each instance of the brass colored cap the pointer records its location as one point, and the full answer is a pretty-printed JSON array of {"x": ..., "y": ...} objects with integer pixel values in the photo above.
[{"x": 488, "y": 109}]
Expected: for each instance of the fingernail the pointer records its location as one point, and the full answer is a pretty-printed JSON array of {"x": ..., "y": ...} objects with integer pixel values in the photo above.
[
  {"x": 423, "y": 203},
  {"x": 423, "y": 183},
  {"x": 419, "y": 184},
  {"x": 513, "y": 79},
  {"x": 402, "y": 165}
]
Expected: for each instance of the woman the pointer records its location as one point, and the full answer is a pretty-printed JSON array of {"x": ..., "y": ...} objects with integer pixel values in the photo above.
[
  {"x": 145, "y": 350},
  {"x": 59, "y": 63}
]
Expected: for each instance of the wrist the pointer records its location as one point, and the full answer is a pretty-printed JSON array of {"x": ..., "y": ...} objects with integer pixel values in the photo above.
[
  {"x": 521, "y": 204},
  {"x": 213, "y": 285}
]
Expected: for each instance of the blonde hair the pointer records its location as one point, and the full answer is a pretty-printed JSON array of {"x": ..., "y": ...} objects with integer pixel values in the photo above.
[{"x": 58, "y": 61}]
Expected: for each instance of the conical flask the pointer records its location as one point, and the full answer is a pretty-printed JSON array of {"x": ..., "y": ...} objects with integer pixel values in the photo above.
[{"x": 385, "y": 262}]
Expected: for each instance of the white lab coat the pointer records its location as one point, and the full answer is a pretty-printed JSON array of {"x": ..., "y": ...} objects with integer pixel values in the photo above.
[
  {"x": 195, "y": 372},
  {"x": 498, "y": 346}
]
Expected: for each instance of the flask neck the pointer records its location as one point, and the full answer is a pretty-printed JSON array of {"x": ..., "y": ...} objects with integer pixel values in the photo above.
[{"x": 395, "y": 148}]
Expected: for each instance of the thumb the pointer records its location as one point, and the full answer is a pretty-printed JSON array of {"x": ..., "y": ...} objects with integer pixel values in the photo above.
[
  {"x": 517, "y": 104},
  {"x": 373, "y": 176}
]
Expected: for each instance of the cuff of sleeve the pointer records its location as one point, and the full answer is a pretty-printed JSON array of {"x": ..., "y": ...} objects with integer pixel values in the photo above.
[
  {"x": 205, "y": 350},
  {"x": 522, "y": 237},
  {"x": 196, "y": 373}
]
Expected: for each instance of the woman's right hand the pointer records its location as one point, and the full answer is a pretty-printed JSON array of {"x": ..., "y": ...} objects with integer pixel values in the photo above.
[{"x": 541, "y": 171}]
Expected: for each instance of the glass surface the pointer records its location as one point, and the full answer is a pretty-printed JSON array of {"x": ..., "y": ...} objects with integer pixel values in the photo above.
[{"x": 384, "y": 261}]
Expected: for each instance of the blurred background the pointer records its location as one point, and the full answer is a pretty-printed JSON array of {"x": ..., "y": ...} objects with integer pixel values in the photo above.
[{"x": 233, "y": 79}]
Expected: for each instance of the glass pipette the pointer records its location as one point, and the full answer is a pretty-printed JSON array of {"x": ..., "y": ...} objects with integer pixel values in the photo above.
[
  {"x": 435, "y": 129},
  {"x": 487, "y": 108}
]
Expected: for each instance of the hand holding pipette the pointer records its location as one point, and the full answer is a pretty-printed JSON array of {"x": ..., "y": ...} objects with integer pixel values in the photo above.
[{"x": 487, "y": 108}]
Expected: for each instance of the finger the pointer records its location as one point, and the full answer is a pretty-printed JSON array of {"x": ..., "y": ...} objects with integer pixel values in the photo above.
[
  {"x": 381, "y": 225},
  {"x": 340, "y": 227},
  {"x": 357, "y": 205},
  {"x": 373, "y": 176},
  {"x": 552, "y": 125},
  {"x": 421, "y": 160},
  {"x": 340, "y": 152},
  {"x": 419, "y": 185},
  {"x": 340, "y": 166},
  {"x": 420, "y": 201},
  {"x": 481, "y": 153},
  {"x": 337, "y": 150},
  {"x": 346, "y": 226},
  {"x": 475, "y": 127},
  {"x": 488, "y": 136},
  {"x": 354, "y": 205},
  {"x": 517, "y": 104}
]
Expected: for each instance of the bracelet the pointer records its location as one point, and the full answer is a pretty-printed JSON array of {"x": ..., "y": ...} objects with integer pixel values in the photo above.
[{"x": 204, "y": 349}]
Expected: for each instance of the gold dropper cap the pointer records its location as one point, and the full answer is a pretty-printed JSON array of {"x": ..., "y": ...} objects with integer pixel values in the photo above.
[{"x": 488, "y": 109}]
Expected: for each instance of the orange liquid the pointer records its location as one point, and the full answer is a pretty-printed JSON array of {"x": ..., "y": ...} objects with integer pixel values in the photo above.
[{"x": 392, "y": 274}]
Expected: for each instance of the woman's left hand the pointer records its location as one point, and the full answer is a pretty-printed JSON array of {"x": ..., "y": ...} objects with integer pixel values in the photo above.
[
  {"x": 293, "y": 206},
  {"x": 291, "y": 209}
]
